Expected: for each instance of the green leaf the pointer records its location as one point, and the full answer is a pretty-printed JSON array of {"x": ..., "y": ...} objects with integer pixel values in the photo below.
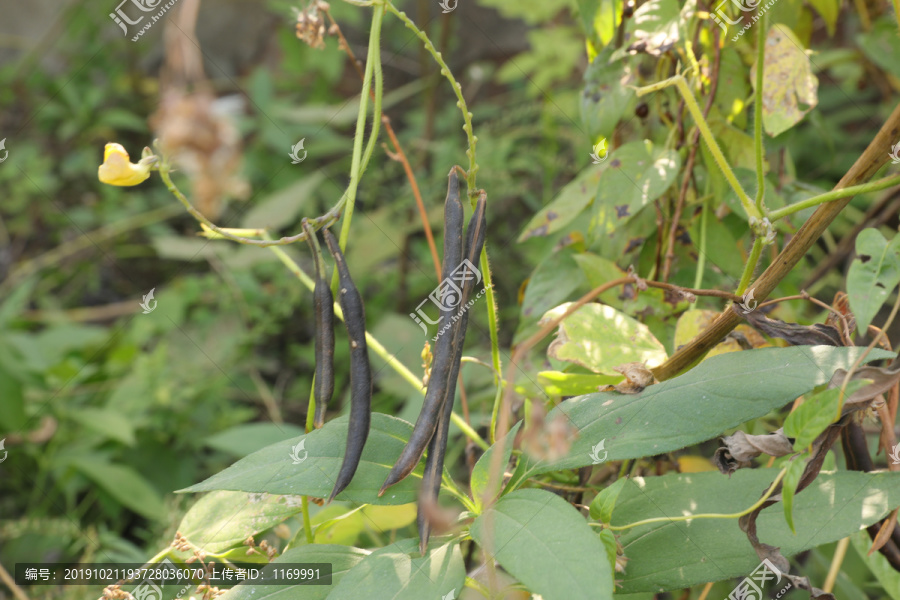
[
  {"x": 834, "y": 506},
  {"x": 691, "y": 408},
  {"x": 599, "y": 338},
  {"x": 873, "y": 275},
  {"x": 552, "y": 282},
  {"x": 567, "y": 205},
  {"x": 547, "y": 545},
  {"x": 339, "y": 523},
  {"x": 609, "y": 542},
  {"x": 124, "y": 484},
  {"x": 881, "y": 45},
  {"x": 273, "y": 470},
  {"x": 877, "y": 564},
  {"x": 342, "y": 559},
  {"x": 400, "y": 573},
  {"x": 241, "y": 440},
  {"x": 829, "y": 10},
  {"x": 790, "y": 90},
  {"x": 481, "y": 471},
  {"x": 557, "y": 383},
  {"x": 605, "y": 97},
  {"x": 12, "y": 407},
  {"x": 789, "y": 486},
  {"x": 635, "y": 175},
  {"x": 223, "y": 520},
  {"x": 598, "y": 271},
  {"x": 811, "y": 418},
  {"x": 111, "y": 424},
  {"x": 282, "y": 208},
  {"x": 603, "y": 503}
]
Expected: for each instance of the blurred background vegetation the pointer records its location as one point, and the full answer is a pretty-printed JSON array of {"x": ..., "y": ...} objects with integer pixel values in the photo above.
[{"x": 106, "y": 410}]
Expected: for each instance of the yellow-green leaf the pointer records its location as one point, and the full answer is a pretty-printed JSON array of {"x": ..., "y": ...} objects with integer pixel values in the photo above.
[{"x": 790, "y": 90}]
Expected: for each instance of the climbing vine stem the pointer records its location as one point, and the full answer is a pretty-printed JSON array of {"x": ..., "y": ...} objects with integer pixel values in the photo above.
[{"x": 757, "y": 112}]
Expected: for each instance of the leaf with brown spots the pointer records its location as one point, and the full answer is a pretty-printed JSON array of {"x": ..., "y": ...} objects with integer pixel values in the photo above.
[
  {"x": 637, "y": 174},
  {"x": 573, "y": 199},
  {"x": 790, "y": 90}
]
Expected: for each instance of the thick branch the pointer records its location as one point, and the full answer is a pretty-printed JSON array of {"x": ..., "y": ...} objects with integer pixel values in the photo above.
[{"x": 872, "y": 159}]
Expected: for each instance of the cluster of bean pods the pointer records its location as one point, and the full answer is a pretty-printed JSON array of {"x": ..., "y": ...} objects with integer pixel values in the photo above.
[{"x": 432, "y": 426}]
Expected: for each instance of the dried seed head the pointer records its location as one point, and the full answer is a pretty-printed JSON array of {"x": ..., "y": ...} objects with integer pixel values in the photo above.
[{"x": 311, "y": 25}]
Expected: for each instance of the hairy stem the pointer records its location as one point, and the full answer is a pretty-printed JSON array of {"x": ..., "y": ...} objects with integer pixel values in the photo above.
[
  {"x": 835, "y": 195},
  {"x": 757, "y": 112}
]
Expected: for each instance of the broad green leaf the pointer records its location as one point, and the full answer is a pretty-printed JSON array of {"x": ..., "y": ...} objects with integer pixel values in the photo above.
[
  {"x": 387, "y": 518},
  {"x": 241, "y": 440},
  {"x": 635, "y": 175},
  {"x": 790, "y": 90},
  {"x": 737, "y": 145},
  {"x": 111, "y": 424},
  {"x": 567, "y": 205},
  {"x": 598, "y": 271},
  {"x": 599, "y": 20},
  {"x": 733, "y": 89},
  {"x": 834, "y": 506},
  {"x": 789, "y": 487},
  {"x": 599, "y": 337},
  {"x": 342, "y": 559},
  {"x": 547, "y": 545},
  {"x": 337, "y": 524},
  {"x": 400, "y": 573},
  {"x": 481, "y": 471},
  {"x": 878, "y": 564},
  {"x": 829, "y": 10},
  {"x": 718, "y": 394},
  {"x": 124, "y": 484},
  {"x": 223, "y": 520},
  {"x": 605, "y": 97},
  {"x": 557, "y": 383},
  {"x": 273, "y": 469},
  {"x": 873, "y": 275},
  {"x": 881, "y": 45},
  {"x": 604, "y": 503},
  {"x": 811, "y": 418},
  {"x": 552, "y": 282}
]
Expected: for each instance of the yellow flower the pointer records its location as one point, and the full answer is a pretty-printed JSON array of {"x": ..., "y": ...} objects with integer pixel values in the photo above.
[{"x": 117, "y": 168}]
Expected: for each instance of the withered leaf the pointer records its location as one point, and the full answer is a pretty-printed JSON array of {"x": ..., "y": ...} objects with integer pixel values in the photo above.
[
  {"x": 637, "y": 377},
  {"x": 740, "y": 448},
  {"x": 883, "y": 379},
  {"x": 798, "y": 335}
]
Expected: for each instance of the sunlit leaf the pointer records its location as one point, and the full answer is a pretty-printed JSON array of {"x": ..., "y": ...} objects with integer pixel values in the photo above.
[{"x": 790, "y": 90}]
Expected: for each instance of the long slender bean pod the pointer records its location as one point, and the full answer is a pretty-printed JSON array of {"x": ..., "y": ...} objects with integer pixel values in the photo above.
[
  {"x": 437, "y": 448},
  {"x": 323, "y": 302},
  {"x": 444, "y": 350},
  {"x": 360, "y": 371}
]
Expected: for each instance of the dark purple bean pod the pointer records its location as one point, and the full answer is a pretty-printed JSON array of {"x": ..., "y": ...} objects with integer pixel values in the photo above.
[
  {"x": 323, "y": 302},
  {"x": 437, "y": 448},
  {"x": 360, "y": 371},
  {"x": 444, "y": 350}
]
